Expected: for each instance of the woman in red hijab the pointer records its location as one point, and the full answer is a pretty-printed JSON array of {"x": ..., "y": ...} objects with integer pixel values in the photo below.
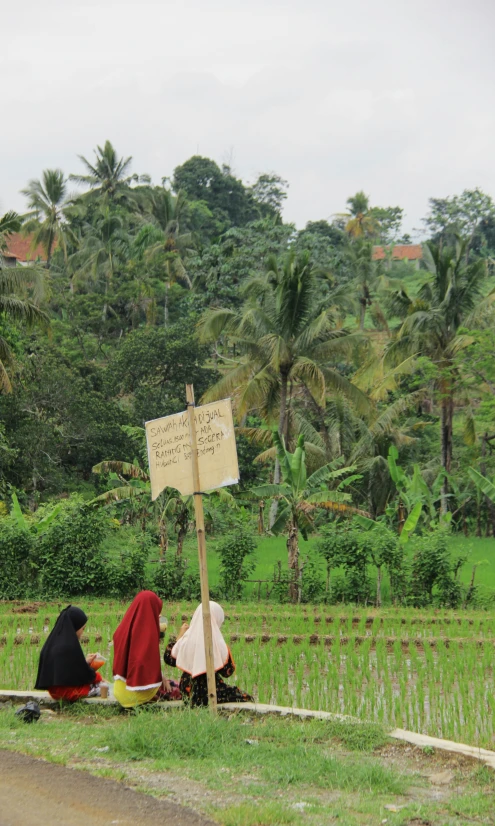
[{"x": 136, "y": 660}]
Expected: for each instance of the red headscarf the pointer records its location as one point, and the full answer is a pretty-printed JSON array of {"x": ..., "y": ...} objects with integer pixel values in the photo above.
[{"x": 136, "y": 643}]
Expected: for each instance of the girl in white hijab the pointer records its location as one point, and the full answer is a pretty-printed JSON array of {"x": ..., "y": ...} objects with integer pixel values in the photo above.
[{"x": 188, "y": 654}]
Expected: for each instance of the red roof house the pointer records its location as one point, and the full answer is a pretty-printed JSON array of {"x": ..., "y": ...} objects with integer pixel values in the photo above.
[
  {"x": 19, "y": 247},
  {"x": 401, "y": 252}
]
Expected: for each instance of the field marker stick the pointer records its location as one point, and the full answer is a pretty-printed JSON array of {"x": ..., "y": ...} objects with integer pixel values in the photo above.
[{"x": 203, "y": 570}]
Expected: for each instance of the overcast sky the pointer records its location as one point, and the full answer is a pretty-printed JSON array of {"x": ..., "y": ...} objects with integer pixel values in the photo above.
[{"x": 390, "y": 96}]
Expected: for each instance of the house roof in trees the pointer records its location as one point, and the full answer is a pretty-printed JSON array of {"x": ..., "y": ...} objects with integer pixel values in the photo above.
[
  {"x": 409, "y": 252},
  {"x": 19, "y": 246}
]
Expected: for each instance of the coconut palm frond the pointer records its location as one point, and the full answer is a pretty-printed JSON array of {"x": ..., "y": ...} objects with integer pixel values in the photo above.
[
  {"x": 23, "y": 310},
  {"x": 266, "y": 456},
  {"x": 308, "y": 372},
  {"x": 339, "y": 384},
  {"x": 256, "y": 435},
  {"x": 215, "y": 323},
  {"x": 5, "y": 383}
]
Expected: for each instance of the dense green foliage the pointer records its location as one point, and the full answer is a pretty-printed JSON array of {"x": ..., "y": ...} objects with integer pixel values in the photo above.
[
  {"x": 236, "y": 552},
  {"x": 369, "y": 362}
]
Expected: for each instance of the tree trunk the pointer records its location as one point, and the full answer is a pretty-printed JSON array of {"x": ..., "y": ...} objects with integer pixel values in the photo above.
[
  {"x": 293, "y": 554},
  {"x": 162, "y": 526},
  {"x": 447, "y": 425},
  {"x": 49, "y": 249},
  {"x": 165, "y": 308},
  {"x": 402, "y": 516},
  {"x": 362, "y": 312},
  {"x": 281, "y": 431},
  {"x": 478, "y": 517},
  {"x": 471, "y": 587},
  {"x": 489, "y": 504},
  {"x": 378, "y": 586},
  {"x": 181, "y": 535},
  {"x": 319, "y": 412},
  {"x": 261, "y": 521}
]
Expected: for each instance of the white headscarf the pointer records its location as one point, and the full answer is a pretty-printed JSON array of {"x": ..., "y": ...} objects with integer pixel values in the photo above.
[{"x": 189, "y": 651}]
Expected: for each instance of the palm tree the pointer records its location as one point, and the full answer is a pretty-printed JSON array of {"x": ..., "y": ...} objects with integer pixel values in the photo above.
[
  {"x": 366, "y": 275},
  {"x": 288, "y": 332},
  {"x": 163, "y": 242},
  {"x": 48, "y": 201},
  {"x": 361, "y": 222},
  {"x": 20, "y": 291},
  {"x": 9, "y": 223},
  {"x": 452, "y": 296},
  {"x": 102, "y": 251},
  {"x": 301, "y": 496},
  {"x": 108, "y": 177}
]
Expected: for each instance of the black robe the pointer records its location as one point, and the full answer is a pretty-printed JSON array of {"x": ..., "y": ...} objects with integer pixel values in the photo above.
[{"x": 62, "y": 662}]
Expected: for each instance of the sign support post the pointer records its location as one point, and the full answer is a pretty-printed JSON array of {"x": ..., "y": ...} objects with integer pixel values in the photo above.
[
  {"x": 203, "y": 570},
  {"x": 194, "y": 451}
]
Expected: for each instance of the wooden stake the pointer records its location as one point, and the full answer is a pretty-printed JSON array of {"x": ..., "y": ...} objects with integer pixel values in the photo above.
[{"x": 203, "y": 570}]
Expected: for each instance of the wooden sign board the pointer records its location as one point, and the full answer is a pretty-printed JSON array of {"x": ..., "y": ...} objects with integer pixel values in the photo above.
[{"x": 170, "y": 454}]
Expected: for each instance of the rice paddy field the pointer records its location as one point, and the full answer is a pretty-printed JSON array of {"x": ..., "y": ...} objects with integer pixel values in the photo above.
[{"x": 430, "y": 672}]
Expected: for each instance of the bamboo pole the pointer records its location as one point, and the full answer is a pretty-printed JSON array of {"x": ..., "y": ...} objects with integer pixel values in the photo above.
[{"x": 203, "y": 570}]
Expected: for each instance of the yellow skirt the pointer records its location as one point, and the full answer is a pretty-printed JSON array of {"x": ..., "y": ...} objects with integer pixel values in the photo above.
[{"x": 129, "y": 697}]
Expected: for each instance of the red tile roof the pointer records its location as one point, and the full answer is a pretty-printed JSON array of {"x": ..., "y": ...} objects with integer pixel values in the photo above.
[
  {"x": 19, "y": 246},
  {"x": 410, "y": 252}
]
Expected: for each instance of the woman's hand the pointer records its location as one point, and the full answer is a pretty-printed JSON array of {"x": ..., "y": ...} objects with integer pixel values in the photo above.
[
  {"x": 90, "y": 658},
  {"x": 183, "y": 629}
]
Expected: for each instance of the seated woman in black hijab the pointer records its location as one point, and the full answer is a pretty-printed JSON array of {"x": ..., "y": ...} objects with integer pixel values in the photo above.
[{"x": 63, "y": 669}]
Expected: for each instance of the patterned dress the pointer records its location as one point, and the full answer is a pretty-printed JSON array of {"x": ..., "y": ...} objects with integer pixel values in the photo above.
[{"x": 194, "y": 690}]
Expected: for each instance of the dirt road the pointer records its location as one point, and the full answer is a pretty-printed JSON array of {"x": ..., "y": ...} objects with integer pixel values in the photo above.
[{"x": 36, "y": 793}]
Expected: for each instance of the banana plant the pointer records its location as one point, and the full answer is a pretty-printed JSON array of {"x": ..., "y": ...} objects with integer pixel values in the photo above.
[
  {"x": 135, "y": 488},
  {"x": 482, "y": 483},
  {"x": 300, "y": 497},
  {"x": 39, "y": 525},
  {"x": 415, "y": 498}
]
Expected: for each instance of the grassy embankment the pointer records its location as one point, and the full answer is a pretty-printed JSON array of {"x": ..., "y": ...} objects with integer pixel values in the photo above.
[{"x": 244, "y": 771}]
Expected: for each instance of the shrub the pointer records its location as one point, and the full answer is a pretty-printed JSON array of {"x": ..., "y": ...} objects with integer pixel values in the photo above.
[
  {"x": 312, "y": 580},
  {"x": 175, "y": 579},
  {"x": 237, "y": 562},
  {"x": 126, "y": 574},
  {"x": 355, "y": 549},
  {"x": 311, "y": 584},
  {"x": 343, "y": 547},
  {"x": 434, "y": 572},
  {"x": 17, "y": 574},
  {"x": 353, "y": 586},
  {"x": 68, "y": 556}
]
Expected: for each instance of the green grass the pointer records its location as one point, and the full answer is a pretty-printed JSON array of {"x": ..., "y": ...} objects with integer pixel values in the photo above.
[
  {"x": 480, "y": 550},
  {"x": 277, "y": 757},
  {"x": 272, "y": 549},
  {"x": 285, "y": 754},
  {"x": 259, "y": 771}
]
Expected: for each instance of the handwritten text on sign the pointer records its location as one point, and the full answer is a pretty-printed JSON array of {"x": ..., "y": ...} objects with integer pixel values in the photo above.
[{"x": 169, "y": 450}]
